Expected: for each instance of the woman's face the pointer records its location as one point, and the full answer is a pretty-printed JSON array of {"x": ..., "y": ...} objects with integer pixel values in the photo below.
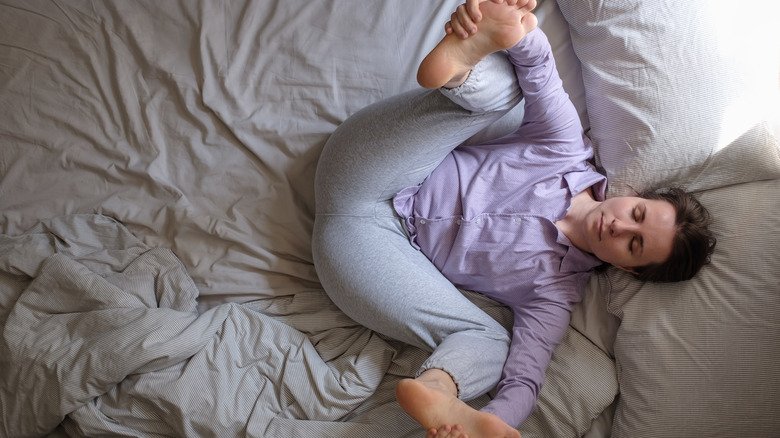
[{"x": 630, "y": 232}]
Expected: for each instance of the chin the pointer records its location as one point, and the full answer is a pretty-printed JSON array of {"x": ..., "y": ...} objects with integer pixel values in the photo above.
[
  {"x": 603, "y": 257},
  {"x": 594, "y": 250}
]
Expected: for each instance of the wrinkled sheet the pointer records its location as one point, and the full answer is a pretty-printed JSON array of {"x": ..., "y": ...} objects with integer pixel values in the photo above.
[
  {"x": 107, "y": 331},
  {"x": 157, "y": 162},
  {"x": 197, "y": 125}
]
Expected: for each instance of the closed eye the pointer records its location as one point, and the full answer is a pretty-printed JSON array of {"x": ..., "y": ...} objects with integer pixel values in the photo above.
[{"x": 636, "y": 244}]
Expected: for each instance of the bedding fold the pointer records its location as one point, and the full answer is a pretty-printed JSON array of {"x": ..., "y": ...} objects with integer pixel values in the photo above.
[{"x": 123, "y": 350}]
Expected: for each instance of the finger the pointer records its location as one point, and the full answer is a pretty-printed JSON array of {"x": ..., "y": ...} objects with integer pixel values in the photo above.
[
  {"x": 457, "y": 28},
  {"x": 528, "y": 5},
  {"x": 529, "y": 21},
  {"x": 472, "y": 7},
  {"x": 457, "y": 431},
  {"x": 448, "y": 28},
  {"x": 465, "y": 19}
]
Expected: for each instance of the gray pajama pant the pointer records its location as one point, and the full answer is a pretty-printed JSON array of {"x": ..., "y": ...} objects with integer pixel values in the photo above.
[{"x": 361, "y": 251}]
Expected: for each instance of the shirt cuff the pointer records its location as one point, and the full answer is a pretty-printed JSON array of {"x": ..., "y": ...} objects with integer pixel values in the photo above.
[{"x": 512, "y": 405}]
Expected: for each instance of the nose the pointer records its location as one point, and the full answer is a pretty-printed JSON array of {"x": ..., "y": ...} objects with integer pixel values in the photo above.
[{"x": 618, "y": 227}]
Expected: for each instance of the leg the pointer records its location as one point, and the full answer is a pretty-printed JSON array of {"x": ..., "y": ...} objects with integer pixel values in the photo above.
[
  {"x": 371, "y": 272},
  {"x": 361, "y": 253},
  {"x": 397, "y": 142},
  {"x": 375, "y": 276}
]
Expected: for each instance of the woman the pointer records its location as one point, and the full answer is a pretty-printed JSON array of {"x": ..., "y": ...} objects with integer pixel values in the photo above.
[{"x": 404, "y": 218}]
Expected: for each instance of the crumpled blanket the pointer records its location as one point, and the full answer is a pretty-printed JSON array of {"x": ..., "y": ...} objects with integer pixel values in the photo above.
[{"x": 100, "y": 334}]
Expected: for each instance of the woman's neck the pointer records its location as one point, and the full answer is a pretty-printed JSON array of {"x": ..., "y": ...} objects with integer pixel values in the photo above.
[{"x": 572, "y": 224}]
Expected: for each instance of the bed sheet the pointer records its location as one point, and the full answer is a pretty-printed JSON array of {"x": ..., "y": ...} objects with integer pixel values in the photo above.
[
  {"x": 196, "y": 124},
  {"x": 194, "y": 127}
]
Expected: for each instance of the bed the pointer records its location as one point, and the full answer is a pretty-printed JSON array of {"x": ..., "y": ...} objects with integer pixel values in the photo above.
[{"x": 157, "y": 163}]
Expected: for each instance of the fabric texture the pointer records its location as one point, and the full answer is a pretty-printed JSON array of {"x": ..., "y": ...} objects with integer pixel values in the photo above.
[{"x": 117, "y": 347}]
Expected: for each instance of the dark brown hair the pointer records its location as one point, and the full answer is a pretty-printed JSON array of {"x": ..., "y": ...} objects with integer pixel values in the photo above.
[{"x": 693, "y": 243}]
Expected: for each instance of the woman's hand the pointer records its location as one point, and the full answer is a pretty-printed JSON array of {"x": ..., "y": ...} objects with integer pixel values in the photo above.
[
  {"x": 463, "y": 22},
  {"x": 447, "y": 431}
]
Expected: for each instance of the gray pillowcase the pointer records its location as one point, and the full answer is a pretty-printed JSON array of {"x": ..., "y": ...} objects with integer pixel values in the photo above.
[{"x": 700, "y": 358}]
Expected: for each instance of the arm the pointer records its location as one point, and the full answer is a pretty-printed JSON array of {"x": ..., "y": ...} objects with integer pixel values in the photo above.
[
  {"x": 538, "y": 328},
  {"x": 550, "y": 117}
]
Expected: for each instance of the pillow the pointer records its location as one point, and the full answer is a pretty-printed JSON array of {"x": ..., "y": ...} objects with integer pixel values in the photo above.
[
  {"x": 669, "y": 84},
  {"x": 700, "y": 358},
  {"x": 579, "y": 384}
]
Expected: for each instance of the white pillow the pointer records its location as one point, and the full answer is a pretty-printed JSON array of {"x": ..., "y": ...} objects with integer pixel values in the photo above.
[{"x": 670, "y": 83}]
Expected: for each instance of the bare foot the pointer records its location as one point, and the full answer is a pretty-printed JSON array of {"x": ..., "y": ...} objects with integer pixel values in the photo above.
[
  {"x": 434, "y": 409},
  {"x": 502, "y": 26}
]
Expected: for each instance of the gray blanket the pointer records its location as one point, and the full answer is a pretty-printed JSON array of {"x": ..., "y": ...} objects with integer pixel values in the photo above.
[{"x": 105, "y": 330}]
